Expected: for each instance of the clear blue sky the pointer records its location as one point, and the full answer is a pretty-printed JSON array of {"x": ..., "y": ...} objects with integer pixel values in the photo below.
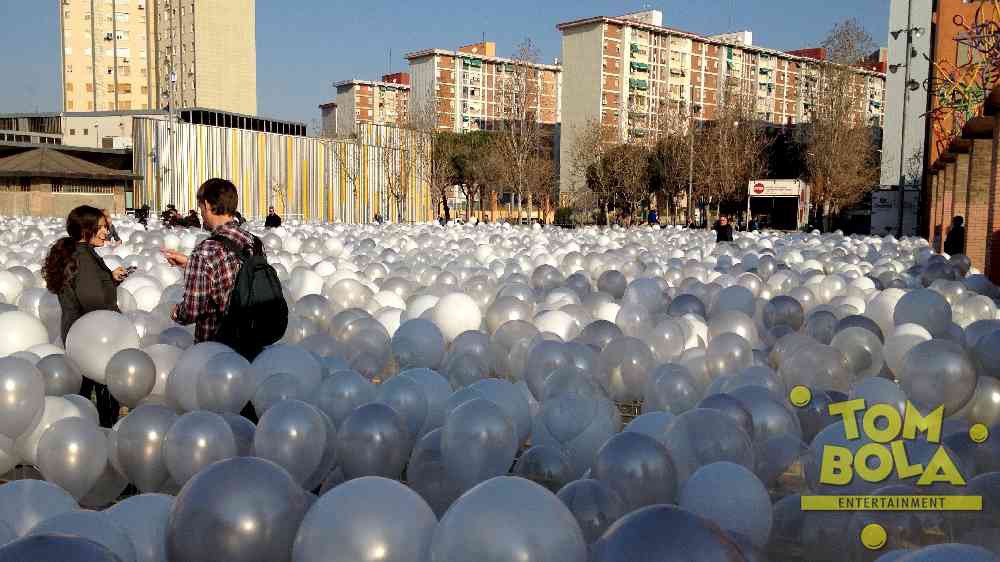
[{"x": 303, "y": 46}]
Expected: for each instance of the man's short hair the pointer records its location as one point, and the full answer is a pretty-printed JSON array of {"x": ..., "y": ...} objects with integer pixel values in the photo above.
[{"x": 220, "y": 195}]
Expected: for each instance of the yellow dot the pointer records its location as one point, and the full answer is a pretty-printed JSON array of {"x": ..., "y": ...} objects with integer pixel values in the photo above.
[
  {"x": 979, "y": 433},
  {"x": 800, "y": 396},
  {"x": 873, "y": 536}
]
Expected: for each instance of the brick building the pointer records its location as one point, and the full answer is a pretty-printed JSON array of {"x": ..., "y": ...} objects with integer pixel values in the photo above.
[
  {"x": 362, "y": 101},
  {"x": 465, "y": 87}
]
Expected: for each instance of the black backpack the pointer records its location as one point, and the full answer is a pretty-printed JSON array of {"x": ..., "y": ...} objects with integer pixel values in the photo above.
[{"x": 257, "y": 314}]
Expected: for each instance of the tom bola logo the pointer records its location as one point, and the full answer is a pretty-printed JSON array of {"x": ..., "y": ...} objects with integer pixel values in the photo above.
[{"x": 888, "y": 431}]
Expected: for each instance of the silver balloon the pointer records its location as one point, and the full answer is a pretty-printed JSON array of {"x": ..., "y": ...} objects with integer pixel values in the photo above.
[
  {"x": 144, "y": 518},
  {"x": 277, "y": 388},
  {"x": 194, "y": 441},
  {"x": 60, "y": 375},
  {"x": 341, "y": 392},
  {"x": 131, "y": 376},
  {"x": 732, "y": 497},
  {"x": 545, "y": 465},
  {"x": 245, "y": 508},
  {"x": 437, "y": 389},
  {"x": 407, "y": 397},
  {"x": 638, "y": 468},
  {"x": 26, "y": 503},
  {"x": 243, "y": 432},
  {"x": 544, "y": 529},
  {"x": 139, "y": 446},
  {"x": 359, "y": 521},
  {"x": 659, "y": 532},
  {"x": 373, "y": 441},
  {"x": 578, "y": 424},
  {"x": 73, "y": 454},
  {"x": 111, "y": 483},
  {"x": 56, "y": 547},
  {"x": 426, "y": 473},
  {"x": 289, "y": 434},
  {"x": 703, "y": 436},
  {"x": 594, "y": 505},
  {"x": 94, "y": 525},
  {"x": 478, "y": 443},
  {"x": 22, "y": 393},
  {"x": 225, "y": 384}
]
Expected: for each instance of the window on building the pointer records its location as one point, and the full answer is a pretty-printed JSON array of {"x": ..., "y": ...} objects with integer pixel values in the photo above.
[
  {"x": 69, "y": 51},
  {"x": 90, "y": 87},
  {"x": 69, "y": 86},
  {"x": 126, "y": 104},
  {"x": 86, "y": 131},
  {"x": 69, "y": 104},
  {"x": 121, "y": 17}
]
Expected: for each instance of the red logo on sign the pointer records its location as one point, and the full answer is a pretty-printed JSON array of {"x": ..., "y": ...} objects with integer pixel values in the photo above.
[{"x": 758, "y": 188}]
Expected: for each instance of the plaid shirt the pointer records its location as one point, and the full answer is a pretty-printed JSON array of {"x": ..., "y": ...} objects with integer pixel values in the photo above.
[{"x": 208, "y": 281}]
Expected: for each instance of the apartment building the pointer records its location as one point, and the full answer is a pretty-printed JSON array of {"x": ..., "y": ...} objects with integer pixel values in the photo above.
[
  {"x": 108, "y": 55},
  {"x": 466, "y": 87},
  {"x": 125, "y": 55},
  {"x": 363, "y": 101},
  {"x": 624, "y": 70}
]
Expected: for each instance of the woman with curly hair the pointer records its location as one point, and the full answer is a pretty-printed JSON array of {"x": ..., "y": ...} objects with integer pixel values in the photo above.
[{"x": 84, "y": 283}]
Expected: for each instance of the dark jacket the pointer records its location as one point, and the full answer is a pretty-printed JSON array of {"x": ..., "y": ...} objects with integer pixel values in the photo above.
[
  {"x": 272, "y": 221},
  {"x": 723, "y": 232},
  {"x": 955, "y": 241},
  {"x": 91, "y": 288}
]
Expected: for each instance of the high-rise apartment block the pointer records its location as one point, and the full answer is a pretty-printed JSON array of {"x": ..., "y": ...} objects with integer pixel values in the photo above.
[
  {"x": 150, "y": 54},
  {"x": 624, "y": 72},
  {"x": 363, "y": 101},
  {"x": 465, "y": 88}
]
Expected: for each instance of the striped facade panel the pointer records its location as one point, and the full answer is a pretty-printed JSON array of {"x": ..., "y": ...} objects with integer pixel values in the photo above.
[{"x": 315, "y": 180}]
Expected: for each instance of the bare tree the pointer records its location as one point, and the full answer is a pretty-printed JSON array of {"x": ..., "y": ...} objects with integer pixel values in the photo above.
[
  {"x": 841, "y": 161},
  {"x": 670, "y": 156},
  {"x": 519, "y": 134},
  {"x": 437, "y": 149},
  {"x": 586, "y": 156},
  {"x": 848, "y": 43},
  {"x": 732, "y": 149}
]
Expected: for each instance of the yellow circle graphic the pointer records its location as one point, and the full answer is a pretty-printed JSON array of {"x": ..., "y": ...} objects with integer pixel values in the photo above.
[
  {"x": 800, "y": 396},
  {"x": 979, "y": 433},
  {"x": 873, "y": 536}
]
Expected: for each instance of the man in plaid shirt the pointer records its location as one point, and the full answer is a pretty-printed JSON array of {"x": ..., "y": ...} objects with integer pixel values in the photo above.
[{"x": 210, "y": 272}]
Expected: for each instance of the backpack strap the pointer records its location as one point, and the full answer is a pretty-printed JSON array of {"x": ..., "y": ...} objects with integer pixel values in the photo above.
[{"x": 235, "y": 248}]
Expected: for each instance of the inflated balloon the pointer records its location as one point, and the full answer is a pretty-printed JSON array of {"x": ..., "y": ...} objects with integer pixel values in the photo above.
[
  {"x": 938, "y": 373},
  {"x": 544, "y": 530},
  {"x": 862, "y": 350},
  {"x": 55, "y": 408},
  {"x": 625, "y": 363},
  {"x": 578, "y": 424},
  {"x": 418, "y": 343},
  {"x": 783, "y": 311},
  {"x": 511, "y": 399},
  {"x": 165, "y": 357},
  {"x": 22, "y": 394},
  {"x": 341, "y": 392},
  {"x": 594, "y": 505},
  {"x": 292, "y": 360},
  {"x": 408, "y": 399},
  {"x": 479, "y": 442},
  {"x": 243, "y": 432},
  {"x": 20, "y": 331},
  {"x": 288, "y": 434},
  {"x": 659, "y": 532},
  {"x": 131, "y": 376},
  {"x": 426, "y": 473},
  {"x": 703, "y": 436},
  {"x": 436, "y": 389},
  {"x": 182, "y": 384},
  {"x": 73, "y": 454},
  {"x": 139, "y": 446},
  {"x": 194, "y": 441},
  {"x": 359, "y": 520},
  {"x": 57, "y": 546},
  {"x": 771, "y": 417},
  {"x": 926, "y": 308},
  {"x": 728, "y": 353},
  {"x": 94, "y": 525},
  {"x": 639, "y": 468},
  {"x": 225, "y": 384},
  {"x": 373, "y": 441},
  {"x": 60, "y": 375},
  {"x": 26, "y": 503},
  {"x": 95, "y": 338},
  {"x": 244, "y": 508},
  {"x": 731, "y": 496},
  {"x": 144, "y": 518},
  {"x": 545, "y": 465}
]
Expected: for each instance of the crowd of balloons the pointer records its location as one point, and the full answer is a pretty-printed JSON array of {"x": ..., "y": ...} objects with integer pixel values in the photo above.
[{"x": 463, "y": 393}]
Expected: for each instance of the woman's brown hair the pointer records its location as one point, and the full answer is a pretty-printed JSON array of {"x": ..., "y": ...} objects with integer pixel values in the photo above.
[{"x": 59, "y": 268}]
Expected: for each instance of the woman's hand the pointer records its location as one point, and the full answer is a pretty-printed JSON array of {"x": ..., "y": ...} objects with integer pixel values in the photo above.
[
  {"x": 119, "y": 274},
  {"x": 174, "y": 258}
]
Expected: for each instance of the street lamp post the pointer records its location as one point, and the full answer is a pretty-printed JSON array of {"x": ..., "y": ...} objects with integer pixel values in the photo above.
[
  {"x": 695, "y": 109},
  {"x": 909, "y": 85}
]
